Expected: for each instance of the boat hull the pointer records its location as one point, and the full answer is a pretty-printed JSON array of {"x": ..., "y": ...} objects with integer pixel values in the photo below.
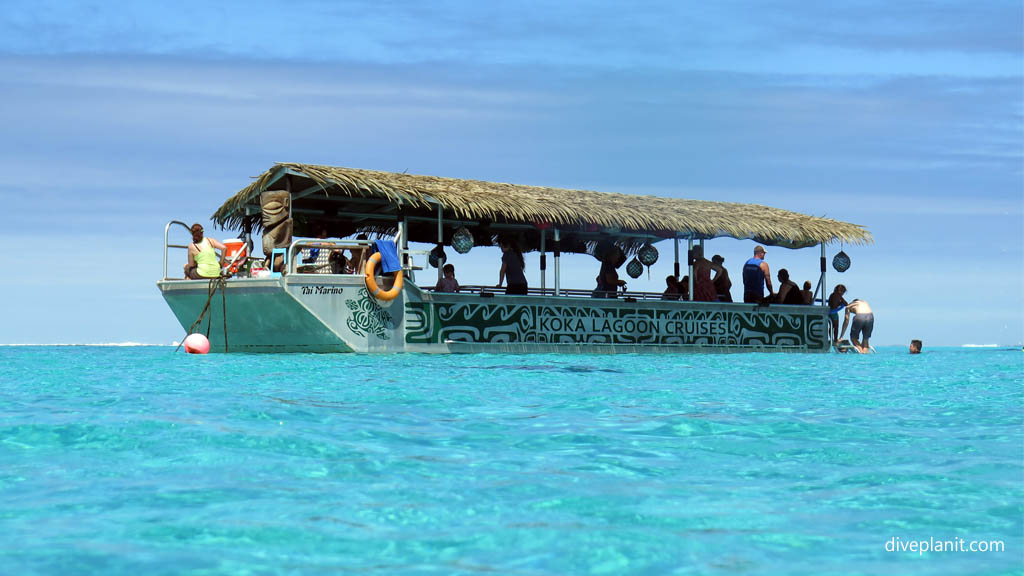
[{"x": 327, "y": 313}]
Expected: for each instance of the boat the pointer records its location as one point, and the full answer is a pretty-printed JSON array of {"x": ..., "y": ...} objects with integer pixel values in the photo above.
[{"x": 285, "y": 302}]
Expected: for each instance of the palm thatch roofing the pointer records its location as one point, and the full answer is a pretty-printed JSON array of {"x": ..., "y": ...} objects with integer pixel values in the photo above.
[{"x": 346, "y": 200}]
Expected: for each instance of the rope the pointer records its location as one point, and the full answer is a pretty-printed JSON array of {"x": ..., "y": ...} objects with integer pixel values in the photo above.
[
  {"x": 215, "y": 284},
  {"x": 224, "y": 308},
  {"x": 211, "y": 290}
]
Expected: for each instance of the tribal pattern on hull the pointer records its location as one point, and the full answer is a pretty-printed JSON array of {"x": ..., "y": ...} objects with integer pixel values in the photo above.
[
  {"x": 368, "y": 316},
  {"x": 438, "y": 322}
]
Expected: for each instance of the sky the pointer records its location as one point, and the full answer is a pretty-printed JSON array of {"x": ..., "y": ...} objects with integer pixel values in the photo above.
[{"x": 906, "y": 118}]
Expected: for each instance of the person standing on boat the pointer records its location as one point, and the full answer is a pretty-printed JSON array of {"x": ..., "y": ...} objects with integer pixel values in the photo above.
[
  {"x": 203, "y": 261},
  {"x": 722, "y": 283},
  {"x": 836, "y": 302},
  {"x": 703, "y": 288},
  {"x": 513, "y": 267},
  {"x": 863, "y": 323},
  {"x": 608, "y": 282},
  {"x": 755, "y": 276}
]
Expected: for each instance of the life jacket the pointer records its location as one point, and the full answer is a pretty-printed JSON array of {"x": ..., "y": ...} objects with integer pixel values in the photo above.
[{"x": 753, "y": 277}]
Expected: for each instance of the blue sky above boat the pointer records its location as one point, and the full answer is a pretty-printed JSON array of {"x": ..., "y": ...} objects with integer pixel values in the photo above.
[{"x": 905, "y": 118}]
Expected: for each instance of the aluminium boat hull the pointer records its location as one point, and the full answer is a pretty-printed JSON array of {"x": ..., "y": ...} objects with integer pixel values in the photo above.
[{"x": 331, "y": 313}]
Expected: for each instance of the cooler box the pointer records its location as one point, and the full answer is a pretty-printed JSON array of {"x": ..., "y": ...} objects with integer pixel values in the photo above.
[{"x": 234, "y": 250}]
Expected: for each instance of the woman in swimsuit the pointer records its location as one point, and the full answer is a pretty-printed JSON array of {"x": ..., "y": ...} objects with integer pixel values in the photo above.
[
  {"x": 203, "y": 261},
  {"x": 835, "y": 304}
]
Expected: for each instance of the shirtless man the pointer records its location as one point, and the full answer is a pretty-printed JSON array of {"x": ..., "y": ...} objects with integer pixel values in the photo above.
[
  {"x": 863, "y": 322},
  {"x": 789, "y": 292}
]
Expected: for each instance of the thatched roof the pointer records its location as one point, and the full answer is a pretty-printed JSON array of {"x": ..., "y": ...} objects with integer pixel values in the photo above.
[{"x": 335, "y": 191}]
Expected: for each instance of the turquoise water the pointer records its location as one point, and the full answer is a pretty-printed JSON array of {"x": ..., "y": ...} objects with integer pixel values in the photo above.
[{"x": 142, "y": 461}]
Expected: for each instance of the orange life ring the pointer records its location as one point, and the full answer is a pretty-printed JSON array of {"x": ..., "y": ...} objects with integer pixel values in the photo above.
[{"x": 371, "y": 282}]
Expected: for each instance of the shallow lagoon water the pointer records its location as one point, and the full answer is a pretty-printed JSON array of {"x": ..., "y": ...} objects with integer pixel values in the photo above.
[{"x": 140, "y": 460}]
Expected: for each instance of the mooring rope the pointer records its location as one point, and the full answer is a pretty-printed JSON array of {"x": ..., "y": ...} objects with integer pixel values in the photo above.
[
  {"x": 224, "y": 310},
  {"x": 215, "y": 284}
]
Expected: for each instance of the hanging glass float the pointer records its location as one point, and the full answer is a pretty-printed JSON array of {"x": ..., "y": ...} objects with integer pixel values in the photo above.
[
  {"x": 648, "y": 255},
  {"x": 437, "y": 256},
  {"x": 462, "y": 240},
  {"x": 634, "y": 268},
  {"x": 841, "y": 262}
]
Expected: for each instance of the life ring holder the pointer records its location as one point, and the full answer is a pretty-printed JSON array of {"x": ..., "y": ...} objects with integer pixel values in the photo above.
[{"x": 371, "y": 282}]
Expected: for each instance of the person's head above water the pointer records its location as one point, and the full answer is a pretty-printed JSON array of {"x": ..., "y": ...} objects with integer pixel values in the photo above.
[{"x": 915, "y": 346}]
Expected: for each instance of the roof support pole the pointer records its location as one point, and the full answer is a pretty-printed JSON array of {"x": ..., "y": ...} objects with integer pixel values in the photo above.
[
  {"x": 558, "y": 248},
  {"x": 676, "y": 268},
  {"x": 288, "y": 188},
  {"x": 404, "y": 227},
  {"x": 824, "y": 286},
  {"x": 543, "y": 261},
  {"x": 689, "y": 260},
  {"x": 440, "y": 239}
]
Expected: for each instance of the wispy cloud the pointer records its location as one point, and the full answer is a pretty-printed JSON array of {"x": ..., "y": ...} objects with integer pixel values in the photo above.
[{"x": 961, "y": 39}]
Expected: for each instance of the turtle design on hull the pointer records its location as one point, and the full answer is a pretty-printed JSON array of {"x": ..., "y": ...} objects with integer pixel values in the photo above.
[{"x": 368, "y": 317}]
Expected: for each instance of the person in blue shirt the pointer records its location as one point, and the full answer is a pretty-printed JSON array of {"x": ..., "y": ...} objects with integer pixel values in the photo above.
[{"x": 755, "y": 276}]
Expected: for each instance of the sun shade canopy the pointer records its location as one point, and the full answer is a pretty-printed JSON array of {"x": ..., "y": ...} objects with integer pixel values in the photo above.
[{"x": 343, "y": 201}]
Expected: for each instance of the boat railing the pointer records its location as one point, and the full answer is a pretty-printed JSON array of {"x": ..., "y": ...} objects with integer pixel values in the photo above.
[
  {"x": 624, "y": 296},
  {"x": 168, "y": 245},
  {"x": 298, "y": 245},
  {"x": 250, "y": 266},
  {"x": 630, "y": 296}
]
